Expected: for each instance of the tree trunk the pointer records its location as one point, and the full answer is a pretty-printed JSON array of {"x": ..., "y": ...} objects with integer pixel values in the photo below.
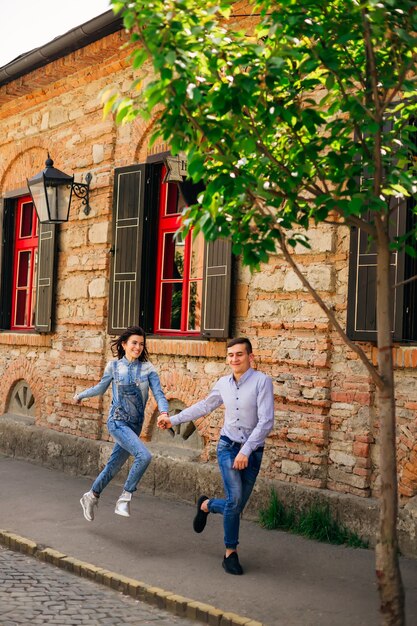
[{"x": 388, "y": 573}]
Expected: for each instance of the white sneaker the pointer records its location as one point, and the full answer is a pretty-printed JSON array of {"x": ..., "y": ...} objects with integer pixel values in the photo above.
[
  {"x": 123, "y": 504},
  {"x": 88, "y": 502}
]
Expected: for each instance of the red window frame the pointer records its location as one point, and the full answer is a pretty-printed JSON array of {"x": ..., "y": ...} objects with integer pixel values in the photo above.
[
  {"x": 25, "y": 252},
  {"x": 169, "y": 222}
]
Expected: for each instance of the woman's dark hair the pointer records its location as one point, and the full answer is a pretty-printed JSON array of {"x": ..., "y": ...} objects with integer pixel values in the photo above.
[
  {"x": 244, "y": 340},
  {"x": 117, "y": 348}
]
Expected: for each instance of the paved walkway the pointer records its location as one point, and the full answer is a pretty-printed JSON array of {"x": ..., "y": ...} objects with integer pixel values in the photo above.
[
  {"x": 35, "y": 593},
  {"x": 288, "y": 581}
]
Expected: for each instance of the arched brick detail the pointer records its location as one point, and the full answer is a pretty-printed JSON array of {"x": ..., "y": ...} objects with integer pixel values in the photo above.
[
  {"x": 23, "y": 164},
  {"x": 139, "y": 140},
  {"x": 131, "y": 142},
  {"x": 143, "y": 150},
  {"x": 21, "y": 369},
  {"x": 177, "y": 386}
]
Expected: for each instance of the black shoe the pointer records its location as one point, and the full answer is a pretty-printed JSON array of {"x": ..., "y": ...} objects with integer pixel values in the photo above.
[
  {"x": 231, "y": 564},
  {"x": 200, "y": 520}
]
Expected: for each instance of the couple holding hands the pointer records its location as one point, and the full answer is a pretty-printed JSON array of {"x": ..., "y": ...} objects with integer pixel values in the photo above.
[{"x": 248, "y": 398}]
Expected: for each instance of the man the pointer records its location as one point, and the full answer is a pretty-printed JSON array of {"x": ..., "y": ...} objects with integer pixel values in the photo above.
[{"x": 249, "y": 417}]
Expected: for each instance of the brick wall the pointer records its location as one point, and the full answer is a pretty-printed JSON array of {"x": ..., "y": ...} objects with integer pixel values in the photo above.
[{"x": 326, "y": 428}]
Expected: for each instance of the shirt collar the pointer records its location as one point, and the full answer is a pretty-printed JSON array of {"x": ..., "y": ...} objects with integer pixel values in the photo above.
[
  {"x": 244, "y": 377},
  {"x": 126, "y": 361}
]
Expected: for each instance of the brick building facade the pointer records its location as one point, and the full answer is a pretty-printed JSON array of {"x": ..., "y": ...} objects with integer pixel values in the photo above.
[{"x": 326, "y": 429}]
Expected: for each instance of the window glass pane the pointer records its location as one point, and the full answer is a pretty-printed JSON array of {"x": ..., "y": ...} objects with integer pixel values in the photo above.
[
  {"x": 24, "y": 266},
  {"x": 173, "y": 261},
  {"x": 171, "y": 301},
  {"x": 21, "y": 298},
  {"x": 195, "y": 305},
  {"x": 197, "y": 256},
  {"x": 175, "y": 200},
  {"x": 26, "y": 220}
]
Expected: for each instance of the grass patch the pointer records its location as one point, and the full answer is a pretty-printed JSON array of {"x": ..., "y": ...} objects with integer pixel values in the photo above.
[
  {"x": 277, "y": 515},
  {"x": 314, "y": 522}
]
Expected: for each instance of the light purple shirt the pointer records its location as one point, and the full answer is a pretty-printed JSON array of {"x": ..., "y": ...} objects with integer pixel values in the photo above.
[{"x": 249, "y": 404}]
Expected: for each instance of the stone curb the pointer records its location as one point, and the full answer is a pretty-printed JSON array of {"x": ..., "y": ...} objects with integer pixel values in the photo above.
[{"x": 179, "y": 605}]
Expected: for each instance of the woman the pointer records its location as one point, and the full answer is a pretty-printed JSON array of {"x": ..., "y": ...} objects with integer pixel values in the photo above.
[{"x": 131, "y": 375}]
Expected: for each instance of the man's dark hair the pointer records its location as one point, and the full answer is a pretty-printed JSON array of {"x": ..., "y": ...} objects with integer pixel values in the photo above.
[{"x": 244, "y": 340}]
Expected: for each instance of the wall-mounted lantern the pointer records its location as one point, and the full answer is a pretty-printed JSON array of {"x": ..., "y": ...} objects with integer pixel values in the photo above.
[
  {"x": 176, "y": 168},
  {"x": 51, "y": 192}
]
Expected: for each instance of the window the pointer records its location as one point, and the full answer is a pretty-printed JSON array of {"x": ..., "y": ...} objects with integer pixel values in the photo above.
[
  {"x": 179, "y": 273},
  {"x": 24, "y": 266},
  {"x": 361, "y": 312},
  {"x": 27, "y": 268},
  {"x": 170, "y": 286}
]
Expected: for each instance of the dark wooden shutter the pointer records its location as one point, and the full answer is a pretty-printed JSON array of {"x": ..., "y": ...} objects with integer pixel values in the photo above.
[
  {"x": 45, "y": 277},
  {"x": 7, "y": 237},
  {"x": 125, "y": 275},
  {"x": 398, "y": 227},
  {"x": 361, "y": 313},
  {"x": 410, "y": 289},
  {"x": 149, "y": 246},
  {"x": 217, "y": 283}
]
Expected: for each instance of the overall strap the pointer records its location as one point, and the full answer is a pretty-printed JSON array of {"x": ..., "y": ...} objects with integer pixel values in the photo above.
[
  {"x": 115, "y": 372},
  {"x": 139, "y": 369}
]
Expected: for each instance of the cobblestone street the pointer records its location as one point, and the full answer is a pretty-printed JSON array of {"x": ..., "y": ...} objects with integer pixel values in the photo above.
[{"x": 38, "y": 593}]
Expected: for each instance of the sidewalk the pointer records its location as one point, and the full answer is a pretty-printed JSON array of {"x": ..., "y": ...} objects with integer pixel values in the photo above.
[{"x": 288, "y": 581}]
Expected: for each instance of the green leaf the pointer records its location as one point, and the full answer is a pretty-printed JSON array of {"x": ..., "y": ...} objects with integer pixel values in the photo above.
[
  {"x": 109, "y": 100},
  {"x": 411, "y": 251},
  {"x": 138, "y": 58}
]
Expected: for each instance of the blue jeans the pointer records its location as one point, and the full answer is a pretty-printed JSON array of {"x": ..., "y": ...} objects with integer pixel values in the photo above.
[
  {"x": 126, "y": 435},
  {"x": 238, "y": 485}
]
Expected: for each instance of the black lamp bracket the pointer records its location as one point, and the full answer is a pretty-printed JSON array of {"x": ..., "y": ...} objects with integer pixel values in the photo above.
[{"x": 82, "y": 191}]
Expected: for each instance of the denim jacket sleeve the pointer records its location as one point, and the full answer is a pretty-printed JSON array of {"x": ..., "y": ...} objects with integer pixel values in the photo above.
[
  {"x": 155, "y": 385},
  {"x": 101, "y": 387}
]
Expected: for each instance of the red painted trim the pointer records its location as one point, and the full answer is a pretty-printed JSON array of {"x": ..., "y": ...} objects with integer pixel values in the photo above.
[
  {"x": 186, "y": 284},
  {"x": 24, "y": 244},
  {"x": 158, "y": 286}
]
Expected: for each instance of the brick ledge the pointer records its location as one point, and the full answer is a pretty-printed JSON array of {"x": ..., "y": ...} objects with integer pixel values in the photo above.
[
  {"x": 187, "y": 347},
  {"x": 26, "y": 339},
  {"x": 404, "y": 357}
]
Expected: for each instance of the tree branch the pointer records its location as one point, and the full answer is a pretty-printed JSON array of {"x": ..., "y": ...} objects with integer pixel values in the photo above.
[
  {"x": 352, "y": 220},
  {"x": 405, "y": 282},
  {"x": 399, "y": 84},
  {"x": 372, "y": 64},
  {"x": 313, "y": 189},
  {"x": 331, "y": 316}
]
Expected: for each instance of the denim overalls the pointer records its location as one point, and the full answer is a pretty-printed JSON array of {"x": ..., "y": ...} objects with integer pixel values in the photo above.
[
  {"x": 124, "y": 425},
  {"x": 129, "y": 407}
]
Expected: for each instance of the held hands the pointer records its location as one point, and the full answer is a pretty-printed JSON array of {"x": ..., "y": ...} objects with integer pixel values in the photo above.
[
  {"x": 241, "y": 461},
  {"x": 164, "y": 422}
]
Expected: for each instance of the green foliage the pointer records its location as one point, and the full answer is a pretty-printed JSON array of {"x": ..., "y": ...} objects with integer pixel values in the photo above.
[
  {"x": 280, "y": 123},
  {"x": 314, "y": 522}
]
